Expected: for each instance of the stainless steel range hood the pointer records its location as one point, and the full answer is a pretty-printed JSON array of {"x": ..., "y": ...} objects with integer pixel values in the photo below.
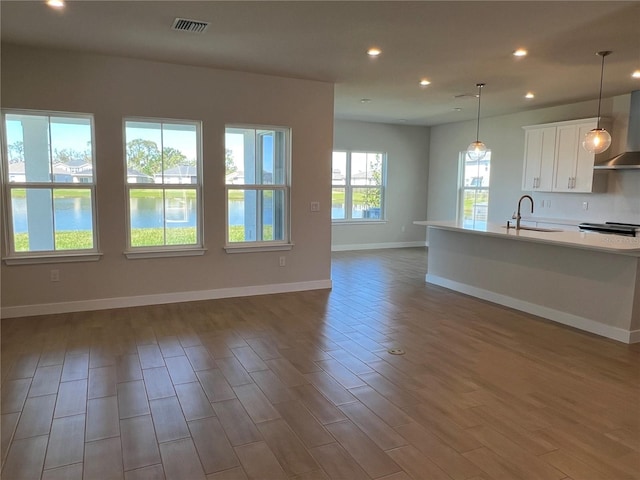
[{"x": 630, "y": 159}]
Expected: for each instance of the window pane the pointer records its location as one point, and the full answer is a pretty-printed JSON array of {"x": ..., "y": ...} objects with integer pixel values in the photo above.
[
  {"x": 163, "y": 217},
  {"x": 179, "y": 154},
  {"x": 255, "y": 157},
  {"x": 338, "y": 210},
  {"x": 235, "y": 212},
  {"x": 144, "y": 159},
  {"x": 273, "y": 215},
  {"x": 366, "y": 168},
  {"x": 339, "y": 168},
  {"x": 146, "y": 216},
  {"x": 475, "y": 207},
  {"x": 71, "y": 147},
  {"x": 73, "y": 219},
  {"x": 181, "y": 207},
  {"x": 476, "y": 172},
  {"x": 47, "y": 219},
  {"x": 267, "y": 157},
  {"x": 366, "y": 203},
  {"x": 28, "y": 148},
  {"x": 32, "y": 219},
  {"x": 234, "y": 156},
  {"x": 256, "y": 215}
]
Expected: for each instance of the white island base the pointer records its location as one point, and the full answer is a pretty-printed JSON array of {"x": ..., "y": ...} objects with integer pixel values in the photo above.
[{"x": 590, "y": 286}]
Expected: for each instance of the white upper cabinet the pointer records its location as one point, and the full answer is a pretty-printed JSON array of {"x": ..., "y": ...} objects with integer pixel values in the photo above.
[
  {"x": 554, "y": 160},
  {"x": 539, "y": 154}
]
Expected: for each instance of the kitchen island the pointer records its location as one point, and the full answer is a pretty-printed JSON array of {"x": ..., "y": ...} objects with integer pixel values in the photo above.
[{"x": 589, "y": 281}]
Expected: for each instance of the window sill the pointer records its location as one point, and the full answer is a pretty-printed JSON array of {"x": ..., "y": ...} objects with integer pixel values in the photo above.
[
  {"x": 244, "y": 248},
  {"x": 358, "y": 222},
  {"x": 182, "y": 252},
  {"x": 49, "y": 258}
]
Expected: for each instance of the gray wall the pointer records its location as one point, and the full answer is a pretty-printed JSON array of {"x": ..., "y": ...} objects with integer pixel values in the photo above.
[
  {"x": 407, "y": 148},
  {"x": 112, "y": 88},
  {"x": 505, "y": 137}
]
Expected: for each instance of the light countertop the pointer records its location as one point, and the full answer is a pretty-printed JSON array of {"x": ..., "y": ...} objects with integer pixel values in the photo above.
[{"x": 586, "y": 240}]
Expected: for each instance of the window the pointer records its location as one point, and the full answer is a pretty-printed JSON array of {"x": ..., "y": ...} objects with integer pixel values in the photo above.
[
  {"x": 163, "y": 184},
  {"x": 473, "y": 206},
  {"x": 358, "y": 182},
  {"x": 257, "y": 185},
  {"x": 50, "y": 183}
]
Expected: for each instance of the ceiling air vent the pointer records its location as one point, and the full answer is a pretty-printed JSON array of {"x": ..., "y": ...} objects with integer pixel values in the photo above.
[{"x": 186, "y": 25}]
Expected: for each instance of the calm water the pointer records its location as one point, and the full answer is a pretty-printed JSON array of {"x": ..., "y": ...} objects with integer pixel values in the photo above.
[{"x": 75, "y": 214}]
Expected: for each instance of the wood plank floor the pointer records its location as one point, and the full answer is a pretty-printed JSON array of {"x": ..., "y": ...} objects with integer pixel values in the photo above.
[{"x": 301, "y": 386}]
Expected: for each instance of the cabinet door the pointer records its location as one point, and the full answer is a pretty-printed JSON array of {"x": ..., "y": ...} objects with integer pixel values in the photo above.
[
  {"x": 584, "y": 163},
  {"x": 566, "y": 157},
  {"x": 539, "y": 153}
]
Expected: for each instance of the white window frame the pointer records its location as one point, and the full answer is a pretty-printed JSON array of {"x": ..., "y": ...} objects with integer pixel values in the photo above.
[
  {"x": 348, "y": 188},
  {"x": 462, "y": 188},
  {"x": 263, "y": 245},
  {"x": 46, "y": 256},
  {"x": 159, "y": 251}
]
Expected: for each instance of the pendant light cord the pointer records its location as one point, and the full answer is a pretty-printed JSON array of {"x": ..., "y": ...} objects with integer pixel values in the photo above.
[
  {"x": 479, "y": 85},
  {"x": 603, "y": 54}
]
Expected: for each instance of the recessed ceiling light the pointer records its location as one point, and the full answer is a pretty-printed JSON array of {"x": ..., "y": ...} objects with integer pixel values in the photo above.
[
  {"x": 374, "y": 52},
  {"x": 55, "y": 3},
  {"x": 424, "y": 82},
  {"x": 456, "y": 109},
  {"x": 636, "y": 74},
  {"x": 365, "y": 100},
  {"x": 529, "y": 95},
  {"x": 521, "y": 52}
]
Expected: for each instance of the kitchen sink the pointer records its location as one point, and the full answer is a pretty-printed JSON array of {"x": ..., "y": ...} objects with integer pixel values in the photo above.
[
  {"x": 539, "y": 229},
  {"x": 535, "y": 229}
]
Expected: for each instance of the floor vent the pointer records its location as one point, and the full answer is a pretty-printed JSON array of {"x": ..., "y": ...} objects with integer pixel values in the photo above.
[{"x": 186, "y": 25}]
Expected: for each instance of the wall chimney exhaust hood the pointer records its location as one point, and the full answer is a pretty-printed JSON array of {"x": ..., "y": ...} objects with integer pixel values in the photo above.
[{"x": 630, "y": 159}]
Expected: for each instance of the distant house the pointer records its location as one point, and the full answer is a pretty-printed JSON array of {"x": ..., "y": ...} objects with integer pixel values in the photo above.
[
  {"x": 360, "y": 178},
  {"x": 17, "y": 173},
  {"x": 180, "y": 174},
  {"x": 74, "y": 171},
  {"x": 238, "y": 178},
  {"x": 77, "y": 166},
  {"x": 134, "y": 176}
]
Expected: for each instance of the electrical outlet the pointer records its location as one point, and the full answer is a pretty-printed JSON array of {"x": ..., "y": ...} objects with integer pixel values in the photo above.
[
  {"x": 315, "y": 206},
  {"x": 54, "y": 275},
  {"x": 585, "y": 205},
  {"x": 541, "y": 203},
  {"x": 283, "y": 261}
]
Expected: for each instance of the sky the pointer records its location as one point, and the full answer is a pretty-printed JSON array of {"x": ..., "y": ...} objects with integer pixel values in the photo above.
[{"x": 75, "y": 134}]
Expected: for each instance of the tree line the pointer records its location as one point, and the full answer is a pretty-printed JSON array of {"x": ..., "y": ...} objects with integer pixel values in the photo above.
[{"x": 142, "y": 155}]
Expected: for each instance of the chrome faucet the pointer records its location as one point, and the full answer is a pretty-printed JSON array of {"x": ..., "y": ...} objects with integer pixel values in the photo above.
[{"x": 517, "y": 215}]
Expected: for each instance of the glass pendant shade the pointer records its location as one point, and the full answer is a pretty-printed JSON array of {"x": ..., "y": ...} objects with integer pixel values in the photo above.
[
  {"x": 596, "y": 141},
  {"x": 476, "y": 150}
]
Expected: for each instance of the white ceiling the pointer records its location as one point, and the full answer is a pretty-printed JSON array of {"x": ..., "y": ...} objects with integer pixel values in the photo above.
[{"x": 452, "y": 43}]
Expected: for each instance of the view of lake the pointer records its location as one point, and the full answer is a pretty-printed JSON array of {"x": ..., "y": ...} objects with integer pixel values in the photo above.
[{"x": 75, "y": 214}]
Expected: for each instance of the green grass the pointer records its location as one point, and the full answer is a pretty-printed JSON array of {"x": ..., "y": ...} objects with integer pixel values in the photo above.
[
  {"x": 358, "y": 197},
  {"x": 141, "y": 237},
  {"x": 67, "y": 240}
]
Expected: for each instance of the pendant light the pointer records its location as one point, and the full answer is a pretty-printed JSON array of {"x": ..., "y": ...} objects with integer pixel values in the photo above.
[
  {"x": 477, "y": 150},
  {"x": 598, "y": 139}
]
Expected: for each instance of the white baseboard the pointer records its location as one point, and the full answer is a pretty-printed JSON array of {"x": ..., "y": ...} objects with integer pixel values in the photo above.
[
  {"x": 634, "y": 336},
  {"x": 581, "y": 323},
  {"x": 162, "y": 298},
  {"x": 376, "y": 246}
]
